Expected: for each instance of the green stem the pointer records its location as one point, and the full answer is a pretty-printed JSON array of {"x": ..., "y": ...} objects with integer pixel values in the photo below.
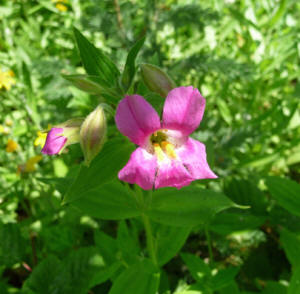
[
  {"x": 149, "y": 237},
  {"x": 210, "y": 252}
]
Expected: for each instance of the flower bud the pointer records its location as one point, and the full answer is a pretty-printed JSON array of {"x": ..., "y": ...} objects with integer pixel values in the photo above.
[
  {"x": 93, "y": 134},
  {"x": 62, "y": 135},
  {"x": 157, "y": 80}
]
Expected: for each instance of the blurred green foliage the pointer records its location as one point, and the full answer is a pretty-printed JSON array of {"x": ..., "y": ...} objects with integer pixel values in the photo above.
[{"x": 243, "y": 56}]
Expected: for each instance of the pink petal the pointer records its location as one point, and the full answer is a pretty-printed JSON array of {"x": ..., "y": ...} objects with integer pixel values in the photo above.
[
  {"x": 193, "y": 156},
  {"x": 136, "y": 119},
  {"x": 172, "y": 174},
  {"x": 54, "y": 142},
  {"x": 140, "y": 169},
  {"x": 183, "y": 109}
]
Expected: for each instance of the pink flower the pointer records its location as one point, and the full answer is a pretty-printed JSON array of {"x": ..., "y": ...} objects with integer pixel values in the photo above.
[
  {"x": 55, "y": 141},
  {"x": 166, "y": 156}
]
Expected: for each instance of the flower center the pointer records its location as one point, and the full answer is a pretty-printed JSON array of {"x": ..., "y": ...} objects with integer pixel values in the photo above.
[{"x": 162, "y": 147}]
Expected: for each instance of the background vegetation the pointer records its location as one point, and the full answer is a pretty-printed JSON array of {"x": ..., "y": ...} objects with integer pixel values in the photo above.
[{"x": 243, "y": 56}]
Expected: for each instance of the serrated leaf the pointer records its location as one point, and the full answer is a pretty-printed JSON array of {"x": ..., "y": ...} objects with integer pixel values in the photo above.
[
  {"x": 169, "y": 241},
  {"x": 286, "y": 192},
  {"x": 107, "y": 245},
  {"x": 224, "y": 278},
  {"x": 295, "y": 281},
  {"x": 189, "y": 206},
  {"x": 291, "y": 245},
  {"x": 103, "y": 169},
  {"x": 141, "y": 278},
  {"x": 198, "y": 268},
  {"x": 95, "y": 61},
  {"x": 226, "y": 223},
  {"x": 12, "y": 244},
  {"x": 128, "y": 244},
  {"x": 44, "y": 278},
  {"x": 111, "y": 201},
  {"x": 129, "y": 69}
]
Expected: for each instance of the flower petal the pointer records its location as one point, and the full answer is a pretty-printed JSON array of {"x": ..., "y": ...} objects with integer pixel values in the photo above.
[
  {"x": 136, "y": 119},
  {"x": 172, "y": 174},
  {"x": 54, "y": 142},
  {"x": 183, "y": 109},
  {"x": 193, "y": 156},
  {"x": 140, "y": 169}
]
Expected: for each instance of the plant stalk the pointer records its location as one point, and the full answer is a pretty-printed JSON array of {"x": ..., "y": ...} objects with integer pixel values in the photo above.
[{"x": 149, "y": 239}]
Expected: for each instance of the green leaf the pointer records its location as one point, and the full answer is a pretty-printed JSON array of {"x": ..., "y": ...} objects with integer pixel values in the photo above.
[
  {"x": 129, "y": 70},
  {"x": 224, "y": 111},
  {"x": 273, "y": 287},
  {"x": 107, "y": 245},
  {"x": 110, "y": 201},
  {"x": 169, "y": 240},
  {"x": 286, "y": 192},
  {"x": 128, "y": 244},
  {"x": 141, "y": 278},
  {"x": 199, "y": 270},
  {"x": 232, "y": 288},
  {"x": 291, "y": 244},
  {"x": 44, "y": 279},
  {"x": 188, "y": 207},
  {"x": 12, "y": 244},
  {"x": 279, "y": 13},
  {"x": 226, "y": 223},
  {"x": 295, "y": 281},
  {"x": 102, "y": 276},
  {"x": 85, "y": 83},
  {"x": 244, "y": 192},
  {"x": 103, "y": 169},
  {"x": 95, "y": 61},
  {"x": 84, "y": 265},
  {"x": 224, "y": 278}
]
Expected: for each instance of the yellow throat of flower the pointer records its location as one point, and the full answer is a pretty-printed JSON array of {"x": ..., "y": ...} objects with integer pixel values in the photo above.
[{"x": 162, "y": 147}]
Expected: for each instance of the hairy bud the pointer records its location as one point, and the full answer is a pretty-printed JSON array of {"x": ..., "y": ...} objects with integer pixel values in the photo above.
[
  {"x": 157, "y": 80},
  {"x": 93, "y": 134}
]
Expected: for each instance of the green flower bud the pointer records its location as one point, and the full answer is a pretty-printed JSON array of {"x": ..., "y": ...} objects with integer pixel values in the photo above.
[
  {"x": 93, "y": 134},
  {"x": 157, "y": 80}
]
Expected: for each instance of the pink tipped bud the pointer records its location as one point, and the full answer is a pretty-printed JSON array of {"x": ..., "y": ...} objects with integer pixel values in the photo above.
[
  {"x": 157, "y": 80},
  {"x": 62, "y": 135},
  {"x": 93, "y": 134}
]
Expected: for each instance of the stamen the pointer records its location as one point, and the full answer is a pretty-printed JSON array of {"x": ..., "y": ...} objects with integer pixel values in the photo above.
[
  {"x": 169, "y": 149},
  {"x": 158, "y": 151}
]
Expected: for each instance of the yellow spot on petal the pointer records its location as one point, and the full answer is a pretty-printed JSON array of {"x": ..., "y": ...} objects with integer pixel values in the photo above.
[
  {"x": 169, "y": 149},
  {"x": 158, "y": 152},
  {"x": 11, "y": 146}
]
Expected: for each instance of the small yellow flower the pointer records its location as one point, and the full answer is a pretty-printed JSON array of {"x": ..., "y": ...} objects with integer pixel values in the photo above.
[
  {"x": 11, "y": 146},
  {"x": 4, "y": 130},
  {"x": 40, "y": 139},
  {"x": 9, "y": 122},
  {"x": 61, "y": 5},
  {"x": 6, "y": 79},
  {"x": 30, "y": 165}
]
